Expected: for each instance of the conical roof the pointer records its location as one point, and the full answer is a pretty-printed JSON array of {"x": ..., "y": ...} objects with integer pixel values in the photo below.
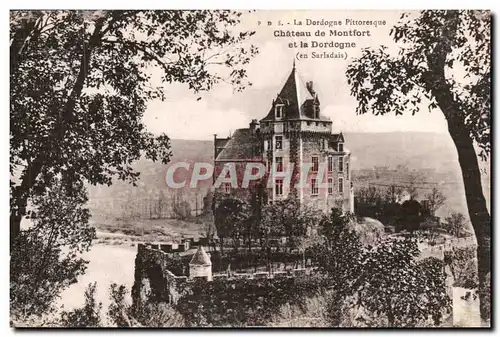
[
  {"x": 200, "y": 257},
  {"x": 296, "y": 95}
]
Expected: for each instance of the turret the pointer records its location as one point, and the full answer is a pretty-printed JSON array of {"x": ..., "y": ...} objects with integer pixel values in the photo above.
[{"x": 200, "y": 265}]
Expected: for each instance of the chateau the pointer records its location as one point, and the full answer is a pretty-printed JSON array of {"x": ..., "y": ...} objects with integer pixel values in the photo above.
[{"x": 303, "y": 158}]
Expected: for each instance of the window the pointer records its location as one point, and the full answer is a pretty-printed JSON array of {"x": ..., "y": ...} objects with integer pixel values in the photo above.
[
  {"x": 341, "y": 185},
  {"x": 315, "y": 162},
  {"x": 347, "y": 170},
  {"x": 341, "y": 147},
  {"x": 330, "y": 186},
  {"x": 279, "y": 142},
  {"x": 279, "y": 111},
  {"x": 341, "y": 164},
  {"x": 279, "y": 164},
  {"x": 279, "y": 187},
  {"x": 314, "y": 187},
  {"x": 316, "y": 111},
  {"x": 227, "y": 188},
  {"x": 330, "y": 164}
]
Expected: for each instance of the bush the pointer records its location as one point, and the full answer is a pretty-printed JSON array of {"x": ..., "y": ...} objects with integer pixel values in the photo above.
[
  {"x": 89, "y": 316},
  {"x": 150, "y": 314},
  {"x": 245, "y": 302}
]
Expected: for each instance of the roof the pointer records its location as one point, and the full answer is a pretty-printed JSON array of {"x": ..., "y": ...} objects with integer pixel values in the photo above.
[
  {"x": 296, "y": 96},
  {"x": 244, "y": 144},
  {"x": 200, "y": 257},
  {"x": 337, "y": 137}
]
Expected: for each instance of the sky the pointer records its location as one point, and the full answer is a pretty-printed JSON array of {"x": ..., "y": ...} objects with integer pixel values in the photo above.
[{"x": 221, "y": 111}]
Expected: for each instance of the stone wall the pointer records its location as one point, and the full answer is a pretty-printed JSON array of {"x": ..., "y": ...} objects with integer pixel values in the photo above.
[{"x": 153, "y": 279}]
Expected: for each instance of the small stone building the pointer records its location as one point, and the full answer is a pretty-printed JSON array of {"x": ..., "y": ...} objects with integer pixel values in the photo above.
[{"x": 200, "y": 265}]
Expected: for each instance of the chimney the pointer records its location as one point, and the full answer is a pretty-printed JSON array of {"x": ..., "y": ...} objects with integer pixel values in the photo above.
[
  {"x": 309, "y": 86},
  {"x": 254, "y": 125}
]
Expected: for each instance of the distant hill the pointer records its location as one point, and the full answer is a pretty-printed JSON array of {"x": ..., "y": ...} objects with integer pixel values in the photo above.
[{"x": 413, "y": 150}]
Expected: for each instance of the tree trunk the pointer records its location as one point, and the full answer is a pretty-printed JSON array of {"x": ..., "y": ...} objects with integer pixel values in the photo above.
[
  {"x": 26, "y": 31},
  {"x": 478, "y": 212},
  {"x": 20, "y": 195},
  {"x": 467, "y": 158}
]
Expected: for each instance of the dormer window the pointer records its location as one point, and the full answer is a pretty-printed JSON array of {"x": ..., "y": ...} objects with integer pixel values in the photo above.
[
  {"x": 341, "y": 147},
  {"x": 279, "y": 110},
  {"x": 316, "y": 111}
]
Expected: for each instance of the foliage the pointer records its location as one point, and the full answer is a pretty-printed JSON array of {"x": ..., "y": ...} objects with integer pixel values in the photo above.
[
  {"x": 89, "y": 316},
  {"x": 373, "y": 203},
  {"x": 230, "y": 217},
  {"x": 455, "y": 224},
  {"x": 444, "y": 62},
  {"x": 207, "y": 203},
  {"x": 117, "y": 310},
  {"x": 151, "y": 314},
  {"x": 396, "y": 286},
  {"x": 435, "y": 199},
  {"x": 339, "y": 257},
  {"x": 463, "y": 265},
  {"x": 412, "y": 215},
  {"x": 244, "y": 302},
  {"x": 311, "y": 313},
  {"x": 385, "y": 280},
  {"x": 181, "y": 209},
  {"x": 80, "y": 83},
  {"x": 383, "y": 83},
  {"x": 287, "y": 218},
  {"x": 45, "y": 258}
]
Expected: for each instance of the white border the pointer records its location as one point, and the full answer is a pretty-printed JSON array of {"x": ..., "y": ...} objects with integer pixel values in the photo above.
[{"x": 179, "y": 4}]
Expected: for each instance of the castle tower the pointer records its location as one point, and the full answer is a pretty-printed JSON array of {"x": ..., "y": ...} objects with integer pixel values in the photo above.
[
  {"x": 200, "y": 265},
  {"x": 297, "y": 134},
  {"x": 294, "y": 141}
]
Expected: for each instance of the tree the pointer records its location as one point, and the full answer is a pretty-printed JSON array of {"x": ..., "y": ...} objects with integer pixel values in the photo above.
[
  {"x": 181, "y": 209},
  {"x": 80, "y": 83},
  {"x": 229, "y": 217},
  {"x": 455, "y": 224},
  {"x": 437, "y": 48},
  {"x": 393, "y": 194},
  {"x": 463, "y": 266},
  {"x": 207, "y": 203},
  {"x": 89, "y": 316},
  {"x": 339, "y": 256},
  {"x": 288, "y": 218},
  {"x": 150, "y": 314},
  {"x": 45, "y": 258},
  {"x": 411, "y": 215},
  {"x": 435, "y": 199},
  {"x": 396, "y": 286}
]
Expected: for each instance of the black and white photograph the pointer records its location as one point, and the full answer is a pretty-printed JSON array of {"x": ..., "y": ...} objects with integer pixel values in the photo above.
[{"x": 240, "y": 169}]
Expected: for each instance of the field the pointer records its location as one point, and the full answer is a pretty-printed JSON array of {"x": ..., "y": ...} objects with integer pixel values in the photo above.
[{"x": 118, "y": 231}]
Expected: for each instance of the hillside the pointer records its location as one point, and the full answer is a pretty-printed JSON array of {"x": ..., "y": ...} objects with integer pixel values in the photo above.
[{"x": 433, "y": 154}]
